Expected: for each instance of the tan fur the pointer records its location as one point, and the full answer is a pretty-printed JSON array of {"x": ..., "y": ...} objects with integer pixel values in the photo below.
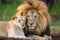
[
  {"x": 3, "y": 28},
  {"x": 38, "y": 4},
  {"x": 47, "y": 15},
  {"x": 20, "y": 12},
  {"x": 23, "y": 7},
  {"x": 16, "y": 25},
  {"x": 34, "y": 4}
]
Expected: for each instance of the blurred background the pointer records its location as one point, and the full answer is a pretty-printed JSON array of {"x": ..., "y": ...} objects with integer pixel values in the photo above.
[{"x": 8, "y": 8}]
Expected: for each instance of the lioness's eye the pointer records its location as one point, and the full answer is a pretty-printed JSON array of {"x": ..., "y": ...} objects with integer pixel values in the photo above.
[
  {"x": 19, "y": 21},
  {"x": 28, "y": 16}
]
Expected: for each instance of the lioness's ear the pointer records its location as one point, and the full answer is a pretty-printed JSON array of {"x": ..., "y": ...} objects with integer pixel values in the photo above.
[{"x": 14, "y": 17}]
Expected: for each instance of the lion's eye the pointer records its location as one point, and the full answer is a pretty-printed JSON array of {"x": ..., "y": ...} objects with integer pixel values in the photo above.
[{"x": 35, "y": 16}]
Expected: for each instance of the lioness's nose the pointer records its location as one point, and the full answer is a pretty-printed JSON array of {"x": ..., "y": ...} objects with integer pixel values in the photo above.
[
  {"x": 22, "y": 25},
  {"x": 31, "y": 23}
]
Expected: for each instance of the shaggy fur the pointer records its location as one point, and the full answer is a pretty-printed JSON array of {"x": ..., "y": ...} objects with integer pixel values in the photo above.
[
  {"x": 37, "y": 4},
  {"x": 31, "y": 4},
  {"x": 3, "y": 28}
]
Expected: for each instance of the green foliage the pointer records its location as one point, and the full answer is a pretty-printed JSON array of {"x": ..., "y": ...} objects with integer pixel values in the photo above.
[
  {"x": 55, "y": 11},
  {"x": 56, "y": 8},
  {"x": 7, "y": 10},
  {"x": 55, "y": 24}
]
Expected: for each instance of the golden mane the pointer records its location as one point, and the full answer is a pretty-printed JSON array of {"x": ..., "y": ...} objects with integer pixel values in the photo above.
[{"x": 35, "y": 4}]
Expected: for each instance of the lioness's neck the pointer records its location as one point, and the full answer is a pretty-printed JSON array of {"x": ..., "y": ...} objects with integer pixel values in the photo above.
[{"x": 18, "y": 31}]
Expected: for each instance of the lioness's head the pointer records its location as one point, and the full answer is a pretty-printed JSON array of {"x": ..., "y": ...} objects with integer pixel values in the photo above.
[
  {"x": 19, "y": 21},
  {"x": 32, "y": 18}
]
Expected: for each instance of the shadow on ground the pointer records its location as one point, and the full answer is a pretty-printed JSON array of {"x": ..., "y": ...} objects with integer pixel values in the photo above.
[{"x": 55, "y": 35}]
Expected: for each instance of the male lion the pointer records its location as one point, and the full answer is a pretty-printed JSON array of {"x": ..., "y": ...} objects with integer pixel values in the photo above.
[
  {"x": 38, "y": 17},
  {"x": 16, "y": 26},
  {"x": 37, "y": 23}
]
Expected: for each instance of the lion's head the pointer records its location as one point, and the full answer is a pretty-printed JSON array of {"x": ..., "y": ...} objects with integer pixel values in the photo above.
[{"x": 36, "y": 22}]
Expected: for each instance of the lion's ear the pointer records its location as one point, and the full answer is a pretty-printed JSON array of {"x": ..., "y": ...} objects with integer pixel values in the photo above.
[{"x": 14, "y": 17}]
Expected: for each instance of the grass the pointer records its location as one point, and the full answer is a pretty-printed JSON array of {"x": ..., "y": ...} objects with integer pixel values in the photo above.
[
  {"x": 7, "y": 10},
  {"x": 55, "y": 25},
  {"x": 56, "y": 8},
  {"x": 55, "y": 11}
]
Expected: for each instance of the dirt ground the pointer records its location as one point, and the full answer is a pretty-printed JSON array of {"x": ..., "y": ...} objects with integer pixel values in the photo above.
[{"x": 55, "y": 35}]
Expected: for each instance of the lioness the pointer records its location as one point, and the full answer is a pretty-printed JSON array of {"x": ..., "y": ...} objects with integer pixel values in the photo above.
[
  {"x": 16, "y": 26},
  {"x": 3, "y": 28}
]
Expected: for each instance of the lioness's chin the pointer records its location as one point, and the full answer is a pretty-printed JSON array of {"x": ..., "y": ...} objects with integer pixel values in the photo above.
[{"x": 31, "y": 28}]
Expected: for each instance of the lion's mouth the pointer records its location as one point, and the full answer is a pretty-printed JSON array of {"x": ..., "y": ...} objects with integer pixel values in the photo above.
[{"x": 31, "y": 27}]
